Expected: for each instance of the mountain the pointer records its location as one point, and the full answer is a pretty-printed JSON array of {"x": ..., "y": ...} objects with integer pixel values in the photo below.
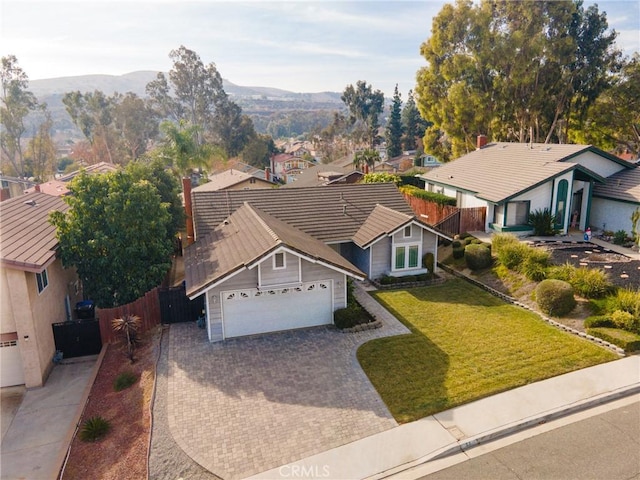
[
  {"x": 137, "y": 81},
  {"x": 267, "y": 106}
]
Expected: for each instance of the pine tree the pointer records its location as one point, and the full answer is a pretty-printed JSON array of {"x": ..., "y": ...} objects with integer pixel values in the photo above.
[{"x": 394, "y": 126}]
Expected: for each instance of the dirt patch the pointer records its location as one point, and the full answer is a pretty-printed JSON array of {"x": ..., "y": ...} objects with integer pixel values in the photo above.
[{"x": 122, "y": 453}]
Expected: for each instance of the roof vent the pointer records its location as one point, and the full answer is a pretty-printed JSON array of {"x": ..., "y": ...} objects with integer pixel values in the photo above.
[
  {"x": 31, "y": 203},
  {"x": 344, "y": 209}
]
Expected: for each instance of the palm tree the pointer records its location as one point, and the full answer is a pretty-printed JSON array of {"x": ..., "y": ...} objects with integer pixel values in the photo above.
[
  {"x": 128, "y": 325},
  {"x": 366, "y": 158}
]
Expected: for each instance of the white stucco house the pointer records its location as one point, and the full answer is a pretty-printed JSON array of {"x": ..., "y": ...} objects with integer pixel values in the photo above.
[
  {"x": 280, "y": 259},
  {"x": 577, "y": 183}
]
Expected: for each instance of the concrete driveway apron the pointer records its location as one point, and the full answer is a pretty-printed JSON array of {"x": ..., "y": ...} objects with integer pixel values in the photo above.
[{"x": 251, "y": 404}]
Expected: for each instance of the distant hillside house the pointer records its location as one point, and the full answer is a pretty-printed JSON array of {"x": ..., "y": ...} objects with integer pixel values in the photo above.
[
  {"x": 287, "y": 167},
  {"x": 514, "y": 179}
]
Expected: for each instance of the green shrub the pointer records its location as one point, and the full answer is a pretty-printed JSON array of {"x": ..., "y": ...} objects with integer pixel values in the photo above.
[
  {"x": 499, "y": 240},
  {"x": 350, "y": 317},
  {"x": 555, "y": 297},
  {"x": 387, "y": 280},
  {"x": 423, "y": 277},
  {"x": 438, "y": 198},
  {"x": 458, "y": 252},
  {"x": 599, "y": 321},
  {"x": 562, "y": 272},
  {"x": 625, "y": 299},
  {"x": 513, "y": 255},
  {"x": 536, "y": 264},
  {"x": 629, "y": 342},
  {"x": 408, "y": 279},
  {"x": 542, "y": 222},
  {"x": 428, "y": 261},
  {"x": 94, "y": 429},
  {"x": 477, "y": 256},
  {"x": 626, "y": 321},
  {"x": 620, "y": 237},
  {"x": 124, "y": 380},
  {"x": 465, "y": 235},
  {"x": 456, "y": 243},
  {"x": 590, "y": 282}
]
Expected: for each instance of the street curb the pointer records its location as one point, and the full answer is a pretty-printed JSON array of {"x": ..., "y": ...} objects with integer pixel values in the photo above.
[{"x": 471, "y": 442}]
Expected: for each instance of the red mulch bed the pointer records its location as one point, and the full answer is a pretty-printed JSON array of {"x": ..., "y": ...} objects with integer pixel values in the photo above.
[{"x": 123, "y": 452}]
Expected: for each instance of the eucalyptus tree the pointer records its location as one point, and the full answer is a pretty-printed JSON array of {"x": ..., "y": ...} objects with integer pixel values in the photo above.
[
  {"x": 365, "y": 106},
  {"x": 16, "y": 103},
  {"x": 513, "y": 70}
]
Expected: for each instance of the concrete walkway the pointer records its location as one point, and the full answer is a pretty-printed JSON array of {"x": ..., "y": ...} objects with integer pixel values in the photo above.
[
  {"x": 449, "y": 432},
  {"x": 39, "y": 433}
]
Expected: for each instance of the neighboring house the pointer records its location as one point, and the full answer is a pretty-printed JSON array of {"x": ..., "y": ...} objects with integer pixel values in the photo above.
[
  {"x": 36, "y": 291},
  {"x": 326, "y": 174},
  {"x": 13, "y": 187},
  {"x": 234, "y": 180},
  {"x": 287, "y": 167},
  {"x": 278, "y": 259},
  {"x": 101, "y": 167},
  {"x": 615, "y": 201},
  {"x": 514, "y": 179}
]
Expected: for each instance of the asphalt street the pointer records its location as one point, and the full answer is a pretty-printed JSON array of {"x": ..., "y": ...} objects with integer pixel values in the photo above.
[{"x": 604, "y": 446}]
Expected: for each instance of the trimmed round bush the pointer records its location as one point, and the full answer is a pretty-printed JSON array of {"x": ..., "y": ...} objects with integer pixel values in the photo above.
[
  {"x": 477, "y": 256},
  {"x": 428, "y": 261},
  {"x": 456, "y": 244},
  {"x": 458, "y": 252},
  {"x": 555, "y": 297}
]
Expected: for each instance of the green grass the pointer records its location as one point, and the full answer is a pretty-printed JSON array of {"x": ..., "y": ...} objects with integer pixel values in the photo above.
[{"x": 466, "y": 344}]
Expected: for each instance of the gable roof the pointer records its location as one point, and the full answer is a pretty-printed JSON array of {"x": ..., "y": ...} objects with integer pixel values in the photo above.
[
  {"x": 27, "y": 239},
  {"x": 499, "y": 171},
  {"x": 329, "y": 214},
  {"x": 382, "y": 221},
  {"x": 323, "y": 174},
  {"x": 229, "y": 178},
  {"x": 244, "y": 239},
  {"x": 623, "y": 185},
  {"x": 101, "y": 167}
]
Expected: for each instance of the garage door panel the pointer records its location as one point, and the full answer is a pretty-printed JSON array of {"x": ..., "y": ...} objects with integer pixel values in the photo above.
[
  {"x": 11, "y": 371},
  {"x": 253, "y": 311}
]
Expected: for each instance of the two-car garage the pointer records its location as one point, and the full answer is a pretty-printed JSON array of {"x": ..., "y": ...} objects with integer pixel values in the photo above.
[{"x": 253, "y": 311}]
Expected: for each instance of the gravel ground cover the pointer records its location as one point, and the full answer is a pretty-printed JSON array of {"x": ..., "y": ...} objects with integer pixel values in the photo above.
[{"x": 623, "y": 271}]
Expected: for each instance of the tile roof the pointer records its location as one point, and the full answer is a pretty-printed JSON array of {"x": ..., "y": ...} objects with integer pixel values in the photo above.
[
  {"x": 330, "y": 214},
  {"x": 623, "y": 185},
  {"x": 500, "y": 170},
  {"x": 27, "y": 239},
  {"x": 381, "y": 222},
  {"x": 247, "y": 236},
  {"x": 53, "y": 187},
  {"x": 229, "y": 178},
  {"x": 101, "y": 167},
  {"x": 321, "y": 175}
]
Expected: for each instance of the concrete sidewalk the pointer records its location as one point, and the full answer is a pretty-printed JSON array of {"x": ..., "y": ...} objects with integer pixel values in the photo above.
[
  {"x": 37, "y": 437},
  {"x": 452, "y": 431}
]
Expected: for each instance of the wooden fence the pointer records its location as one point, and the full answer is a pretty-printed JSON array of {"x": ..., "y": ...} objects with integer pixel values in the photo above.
[
  {"x": 147, "y": 308},
  {"x": 449, "y": 219}
]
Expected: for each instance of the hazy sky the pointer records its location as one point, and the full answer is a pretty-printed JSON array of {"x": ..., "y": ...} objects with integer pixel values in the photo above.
[{"x": 299, "y": 45}]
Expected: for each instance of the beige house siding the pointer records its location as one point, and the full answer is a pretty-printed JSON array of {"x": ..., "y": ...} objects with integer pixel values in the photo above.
[
  {"x": 30, "y": 314},
  {"x": 250, "y": 184}
]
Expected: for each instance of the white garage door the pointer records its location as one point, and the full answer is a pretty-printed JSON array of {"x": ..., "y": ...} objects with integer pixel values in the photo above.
[
  {"x": 247, "y": 312},
  {"x": 11, "y": 372}
]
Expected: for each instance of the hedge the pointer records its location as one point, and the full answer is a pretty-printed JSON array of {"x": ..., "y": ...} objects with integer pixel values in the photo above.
[
  {"x": 438, "y": 198},
  {"x": 629, "y": 342}
]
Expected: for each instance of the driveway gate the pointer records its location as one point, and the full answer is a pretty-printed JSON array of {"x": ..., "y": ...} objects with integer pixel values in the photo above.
[
  {"x": 77, "y": 338},
  {"x": 175, "y": 306}
]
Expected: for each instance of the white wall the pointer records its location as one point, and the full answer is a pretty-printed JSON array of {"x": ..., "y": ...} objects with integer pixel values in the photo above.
[
  {"x": 615, "y": 215},
  {"x": 597, "y": 164}
]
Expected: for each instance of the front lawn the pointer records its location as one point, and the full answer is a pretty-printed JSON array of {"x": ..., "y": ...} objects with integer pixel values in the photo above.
[{"x": 466, "y": 344}]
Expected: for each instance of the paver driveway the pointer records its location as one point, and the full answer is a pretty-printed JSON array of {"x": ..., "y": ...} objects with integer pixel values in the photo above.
[{"x": 251, "y": 404}]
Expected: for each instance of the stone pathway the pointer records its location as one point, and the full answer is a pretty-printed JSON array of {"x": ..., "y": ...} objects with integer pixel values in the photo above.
[{"x": 251, "y": 404}]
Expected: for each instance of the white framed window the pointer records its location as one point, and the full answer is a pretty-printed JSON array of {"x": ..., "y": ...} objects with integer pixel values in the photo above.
[
  {"x": 42, "y": 279},
  {"x": 279, "y": 261},
  {"x": 406, "y": 257},
  {"x": 407, "y": 231}
]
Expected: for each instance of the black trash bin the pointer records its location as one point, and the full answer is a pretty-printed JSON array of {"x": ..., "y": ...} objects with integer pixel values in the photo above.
[{"x": 85, "y": 310}]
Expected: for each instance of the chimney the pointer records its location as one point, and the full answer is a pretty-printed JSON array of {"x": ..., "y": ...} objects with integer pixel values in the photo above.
[
  {"x": 37, "y": 188},
  {"x": 481, "y": 141},
  {"x": 267, "y": 173},
  {"x": 186, "y": 189}
]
